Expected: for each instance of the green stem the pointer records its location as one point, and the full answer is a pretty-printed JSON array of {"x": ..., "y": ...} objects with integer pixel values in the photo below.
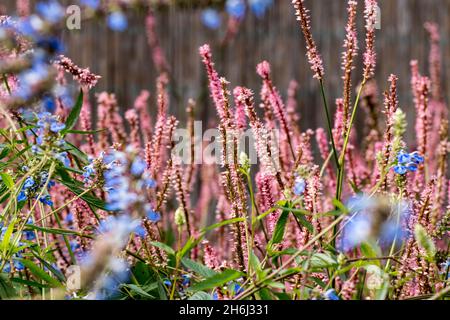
[
  {"x": 264, "y": 282},
  {"x": 329, "y": 124}
]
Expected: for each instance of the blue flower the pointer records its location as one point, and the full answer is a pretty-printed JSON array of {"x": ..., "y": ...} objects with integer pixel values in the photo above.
[
  {"x": 48, "y": 103},
  {"x": 235, "y": 8},
  {"x": 416, "y": 158},
  {"x": 150, "y": 183},
  {"x": 69, "y": 218},
  {"x": 50, "y": 46},
  {"x": 356, "y": 231},
  {"x": 167, "y": 283},
  {"x": 56, "y": 126},
  {"x": 390, "y": 231},
  {"x": 400, "y": 169},
  {"x": 186, "y": 279},
  {"x": 211, "y": 19},
  {"x": 51, "y": 11},
  {"x": 7, "y": 267},
  {"x": 63, "y": 157},
  {"x": 237, "y": 289},
  {"x": 29, "y": 182},
  {"x": 412, "y": 167},
  {"x": 74, "y": 245},
  {"x": 22, "y": 196},
  {"x": 153, "y": 216},
  {"x": 46, "y": 200},
  {"x": 138, "y": 166},
  {"x": 140, "y": 231},
  {"x": 299, "y": 186},
  {"x": 259, "y": 7},
  {"x": 93, "y": 4},
  {"x": 330, "y": 294},
  {"x": 408, "y": 162},
  {"x": 403, "y": 157},
  {"x": 117, "y": 21},
  {"x": 121, "y": 225}
]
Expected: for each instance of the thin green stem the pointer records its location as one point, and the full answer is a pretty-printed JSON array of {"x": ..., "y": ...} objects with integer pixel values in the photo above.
[{"x": 329, "y": 124}]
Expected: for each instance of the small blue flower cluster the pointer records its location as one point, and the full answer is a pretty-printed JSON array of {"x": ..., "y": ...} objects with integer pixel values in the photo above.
[
  {"x": 39, "y": 29},
  {"x": 126, "y": 182},
  {"x": 119, "y": 273},
  {"x": 32, "y": 186},
  {"x": 48, "y": 138},
  {"x": 331, "y": 294},
  {"x": 235, "y": 8},
  {"x": 408, "y": 162},
  {"x": 260, "y": 7},
  {"x": 93, "y": 4},
  {"x": 28, "y": 235},
  {"x": 299, "y": 186},
  {"x": 360, "y": 226},
  {"x": 117, "y": 21}
]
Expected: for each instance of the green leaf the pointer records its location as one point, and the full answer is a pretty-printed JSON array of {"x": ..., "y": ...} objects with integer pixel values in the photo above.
[
  {"x": 425, "y": 242},
  {"x": 7, "y": 180},
  {"x": 85, "y": 132},
  {"x": 340, "y": 206},
  {"x": 78, "y": 188},
  {"x": 223, "y": 223},
  {"x": 302, "y": 220},
  {"x": 142, "y": 273},
  {"x": 190, "y": 243},
  {"x": 7, "y": 236},
  {"x": 371, "y": 250},
  {"x": 323, "y": 260},
  {"x": 74, "y": 114},
  {"x": 58, "y": 274},
  {"x": 278, "y": 233},
  {"x": 163, "y": 246},
  {"x": 73, "y": 150},
  {"x": 39, "y": 273},
  {"x": 7, "y": 291},
  {"x": 265, "y": 294},
  {"x": 5, "y": 151},
  {"x": 201, "y": 296},
  {"x": 138, "y": 290},
  {"x": 30, "y": 283},
  {"x": 217, "y": 280},
  {"x": 198, "y": 268}
]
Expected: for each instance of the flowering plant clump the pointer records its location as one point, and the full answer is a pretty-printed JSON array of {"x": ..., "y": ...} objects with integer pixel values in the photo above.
[{"x": 120, "y": 209}]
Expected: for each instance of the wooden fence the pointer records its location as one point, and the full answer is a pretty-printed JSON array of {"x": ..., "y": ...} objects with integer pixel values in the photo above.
[{"x": 124, "y": 59}]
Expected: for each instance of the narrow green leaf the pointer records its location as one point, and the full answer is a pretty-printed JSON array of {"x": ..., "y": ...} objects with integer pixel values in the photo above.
[
  {"x": 74, "y": 113},
  {"x": 85, "y": 132},
  {"x": 217, "y": 280},
  {"x": 30, "y": 283},
  {"x": 7, "y": 236},
  {"x": 39, "y": 273},
  {"x": 136, "y": 289},
  {"x": 323, "y": 260},
  {"x": 278, "y": 233},
  {"x": 201, "y": 295},
  {"x": 7, "y": 180},
  {"x": 163, "y": 246},
  {"x": 223, "y": 223},
  {"x": 302, "y": 220},
  {"x": 198, "y": 268},
  {"x": 64, "y": 232},
  {"x": 5, "y": 151},
  {"x": 58, "y": 274}
]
